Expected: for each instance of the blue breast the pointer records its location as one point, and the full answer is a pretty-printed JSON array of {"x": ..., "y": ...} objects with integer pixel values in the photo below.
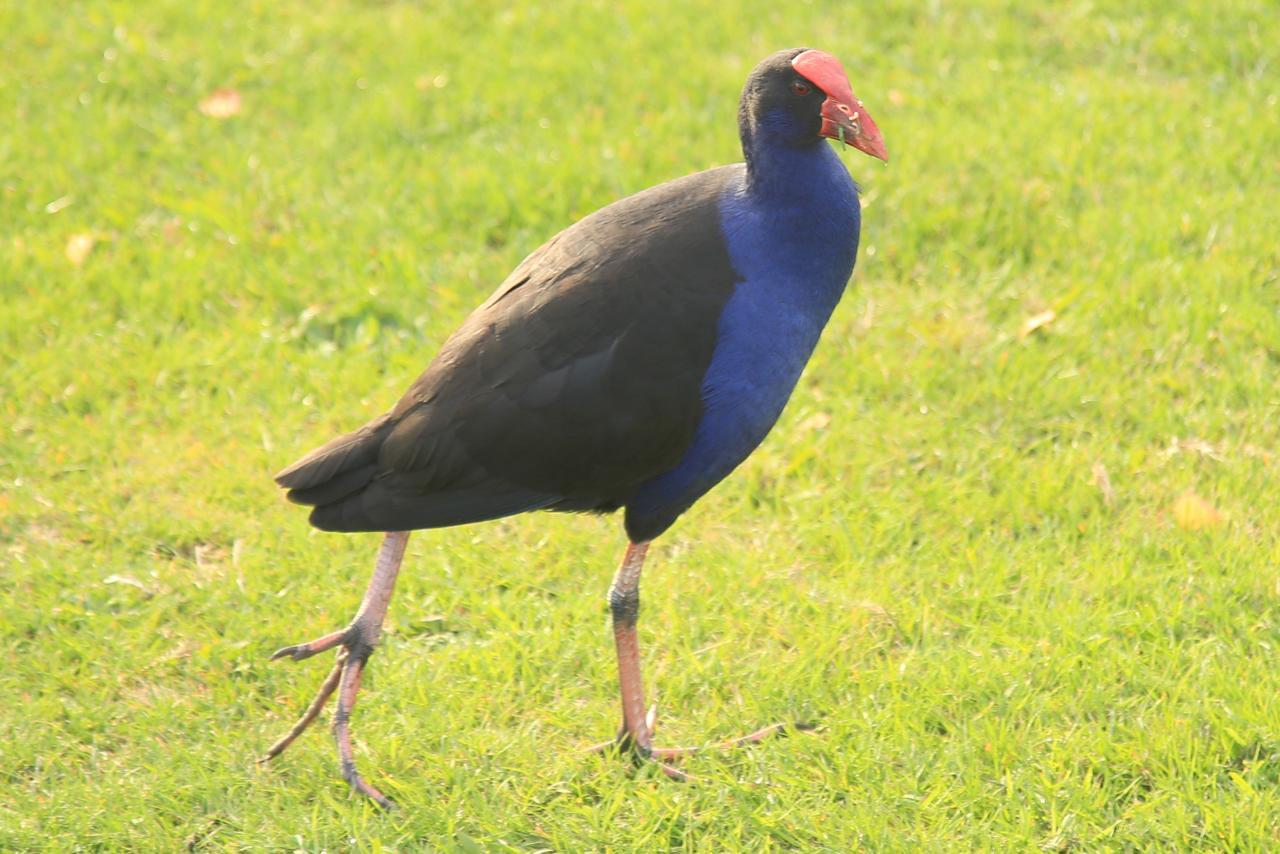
[{"x": 791, "y": 227}]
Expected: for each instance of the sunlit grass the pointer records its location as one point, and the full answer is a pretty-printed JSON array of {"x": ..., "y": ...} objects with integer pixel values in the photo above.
[{"x": 963, "y": 550}]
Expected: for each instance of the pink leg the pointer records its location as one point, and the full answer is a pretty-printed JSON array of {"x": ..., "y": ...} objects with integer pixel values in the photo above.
[
  {"x": 636, "y": 733},
  {"x": 624, "y": 601},
  {"x": 357, "y": 642}
]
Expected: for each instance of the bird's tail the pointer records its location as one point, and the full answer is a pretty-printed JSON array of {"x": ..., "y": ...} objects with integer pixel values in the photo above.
[{"x": 339, "y": 469}]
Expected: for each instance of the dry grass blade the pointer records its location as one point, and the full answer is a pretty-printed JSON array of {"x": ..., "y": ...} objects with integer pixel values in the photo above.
[
  {"x": 1102, "y": 480},
  {"x": 1036, "y": 321}
]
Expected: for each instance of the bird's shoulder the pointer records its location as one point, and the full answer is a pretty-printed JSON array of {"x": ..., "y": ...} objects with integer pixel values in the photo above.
[{"x": 666, "y": 233}]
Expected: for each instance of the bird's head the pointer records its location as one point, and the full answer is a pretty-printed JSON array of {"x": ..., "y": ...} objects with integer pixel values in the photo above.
[{"x": 799, "y": 96}]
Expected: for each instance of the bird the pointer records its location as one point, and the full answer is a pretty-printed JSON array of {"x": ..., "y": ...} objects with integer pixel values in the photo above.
[{"x": 630, "y": 363}]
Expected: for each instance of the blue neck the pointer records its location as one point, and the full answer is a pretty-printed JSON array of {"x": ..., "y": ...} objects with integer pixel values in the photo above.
[
  {"x": 803, "y": 208},
  {"x": 806, "y": 178}
]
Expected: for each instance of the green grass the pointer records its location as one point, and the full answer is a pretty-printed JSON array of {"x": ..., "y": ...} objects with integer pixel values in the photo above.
[{"x": 1004, "y": 655}]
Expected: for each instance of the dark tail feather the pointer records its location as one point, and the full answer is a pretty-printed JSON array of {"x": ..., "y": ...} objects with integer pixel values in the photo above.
[
  {"x": 339, "y": 469},
  {"x": 380, "y": 507},
  {"x": 334, "y": 489}
]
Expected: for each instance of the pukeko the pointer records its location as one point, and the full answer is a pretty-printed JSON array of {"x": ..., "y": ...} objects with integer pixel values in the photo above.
[{"x": 631, "y": 362}]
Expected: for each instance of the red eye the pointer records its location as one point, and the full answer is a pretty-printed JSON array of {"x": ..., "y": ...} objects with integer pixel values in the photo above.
[{"x": 799, "y": 87}]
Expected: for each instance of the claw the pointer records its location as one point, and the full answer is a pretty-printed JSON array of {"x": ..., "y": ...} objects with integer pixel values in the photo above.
[{"x": 297, "y": 653}]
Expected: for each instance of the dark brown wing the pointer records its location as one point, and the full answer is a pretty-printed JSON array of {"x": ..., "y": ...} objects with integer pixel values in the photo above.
[{"x": 577, "y": 380}]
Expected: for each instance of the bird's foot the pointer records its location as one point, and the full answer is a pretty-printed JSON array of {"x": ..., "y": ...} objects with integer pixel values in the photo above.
[
  {"x": 642, "y": 750},
  {"x": 352, "y": 641},
  {"x": 344, "y": 678},
  {"x": 355, "y": 644}
]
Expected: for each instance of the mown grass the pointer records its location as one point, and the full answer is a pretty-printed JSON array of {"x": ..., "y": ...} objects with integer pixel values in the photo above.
[{"x": 1027, "y": 582}]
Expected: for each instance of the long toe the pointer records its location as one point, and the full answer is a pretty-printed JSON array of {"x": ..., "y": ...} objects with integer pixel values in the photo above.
[
  {"x": 352, "y": 776},
  {"x": 778, "y": 729},
  {"x": 301, "y": 651},
  {"x": 662, "y": 756},
  {"x": 313, "y": 711}
]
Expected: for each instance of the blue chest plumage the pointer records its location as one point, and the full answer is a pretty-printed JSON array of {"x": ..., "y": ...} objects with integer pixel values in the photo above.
[{"x": 792, "y": 237}]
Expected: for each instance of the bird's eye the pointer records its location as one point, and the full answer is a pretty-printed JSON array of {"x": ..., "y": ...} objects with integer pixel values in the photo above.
[{"x": 799, "y": 87}]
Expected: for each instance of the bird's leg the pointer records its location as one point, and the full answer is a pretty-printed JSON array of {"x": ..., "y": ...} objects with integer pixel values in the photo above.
[
  {"x": 636, "y": 733},
  {"x": 357, "y": 641},
  {"x": 624, "y": 605}
]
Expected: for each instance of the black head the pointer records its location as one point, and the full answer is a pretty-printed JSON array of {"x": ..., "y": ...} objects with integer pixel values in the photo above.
[{"x": 799, "y": 96}]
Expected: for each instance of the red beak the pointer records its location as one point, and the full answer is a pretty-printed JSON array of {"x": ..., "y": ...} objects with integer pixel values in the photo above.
[
  {"x": 843, "y": 116},
  {"x": 852, "y": 125}
]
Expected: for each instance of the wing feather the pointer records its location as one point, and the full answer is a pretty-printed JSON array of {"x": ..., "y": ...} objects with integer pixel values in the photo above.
[{"x": 579, "y": 378}]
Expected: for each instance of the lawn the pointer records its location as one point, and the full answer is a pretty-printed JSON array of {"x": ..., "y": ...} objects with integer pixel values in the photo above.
[{"x": 1015, "y": 543}]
